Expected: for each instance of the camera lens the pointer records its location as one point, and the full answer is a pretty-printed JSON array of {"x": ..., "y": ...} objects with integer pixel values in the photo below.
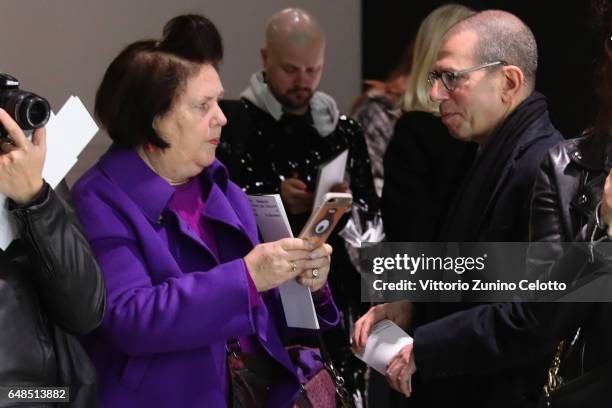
[
  {"x": 34, "y": 112},
  {"x": 29, "y": 110}
]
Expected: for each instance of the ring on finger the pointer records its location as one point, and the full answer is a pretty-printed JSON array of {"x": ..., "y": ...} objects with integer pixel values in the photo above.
[
  {"x": 315, "y": 273},
  {"x": 293, "y": 266}
]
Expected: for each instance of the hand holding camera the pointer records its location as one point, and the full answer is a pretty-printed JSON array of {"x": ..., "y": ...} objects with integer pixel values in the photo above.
[
  {"x": 29, "y": 110},
  {"x": 22, "y": 160}
]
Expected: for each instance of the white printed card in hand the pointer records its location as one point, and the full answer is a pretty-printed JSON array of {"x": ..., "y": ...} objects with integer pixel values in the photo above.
[
  {"x": 386, "y": 339},
  {"x": 274, "y": 225}
]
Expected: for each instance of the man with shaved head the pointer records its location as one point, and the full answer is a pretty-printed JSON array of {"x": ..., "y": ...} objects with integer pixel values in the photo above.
[
  {"x": 293, "y": 58},
  {"x": 283, "y": 128},
  {"x": 484, "y": 80}
]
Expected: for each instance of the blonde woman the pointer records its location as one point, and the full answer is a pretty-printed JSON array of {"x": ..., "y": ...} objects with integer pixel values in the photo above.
[{"x": 423, "y": 164}]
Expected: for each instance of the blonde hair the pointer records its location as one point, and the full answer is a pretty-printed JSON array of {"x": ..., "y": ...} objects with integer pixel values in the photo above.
[{"x": 426, "y": 45}]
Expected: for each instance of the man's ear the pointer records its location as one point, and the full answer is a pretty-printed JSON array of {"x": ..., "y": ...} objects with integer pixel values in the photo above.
[{"x": 513, "y": 81}]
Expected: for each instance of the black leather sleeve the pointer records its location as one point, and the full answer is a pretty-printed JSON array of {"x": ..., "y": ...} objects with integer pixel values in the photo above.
[{"x": 67, "y": 277}]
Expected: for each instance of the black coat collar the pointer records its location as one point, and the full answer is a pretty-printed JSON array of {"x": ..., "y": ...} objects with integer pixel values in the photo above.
[{"x": 589, "y": 151}]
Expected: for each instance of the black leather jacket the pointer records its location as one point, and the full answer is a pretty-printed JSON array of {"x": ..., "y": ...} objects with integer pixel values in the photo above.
[
  {"x": 564, "y": 207},
  {"x": 568, "y": 189},
  {"x": 50, "y": 288},
  {"x": 500, "y": 336}
]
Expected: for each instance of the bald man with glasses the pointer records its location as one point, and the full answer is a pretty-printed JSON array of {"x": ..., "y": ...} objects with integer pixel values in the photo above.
[{"x": 484, "y": 81}]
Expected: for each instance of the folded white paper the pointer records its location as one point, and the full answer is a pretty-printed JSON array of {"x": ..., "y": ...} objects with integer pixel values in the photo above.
[
  {"x": 68, "y": 132},
  {"x": 386, "y": 339},
  {"x": 274, "y": 225}
]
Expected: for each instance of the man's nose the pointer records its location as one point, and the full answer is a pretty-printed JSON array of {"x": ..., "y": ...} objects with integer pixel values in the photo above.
[
  {"x": 438, "y": 93},
  {"x": 302, "y": 78}
]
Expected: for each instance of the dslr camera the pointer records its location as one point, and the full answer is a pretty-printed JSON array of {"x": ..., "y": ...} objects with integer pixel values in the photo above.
[{"x": 29, "y": 110}]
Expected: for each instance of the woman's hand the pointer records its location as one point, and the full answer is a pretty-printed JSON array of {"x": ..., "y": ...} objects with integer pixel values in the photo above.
[
  {"x": 315, "y": 277},
  {"x": 22, "y": 161},
  {"x": 273, "y": 263}
]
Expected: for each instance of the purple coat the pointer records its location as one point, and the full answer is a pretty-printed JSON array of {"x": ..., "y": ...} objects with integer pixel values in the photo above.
[{"x": 171, "y": 303}]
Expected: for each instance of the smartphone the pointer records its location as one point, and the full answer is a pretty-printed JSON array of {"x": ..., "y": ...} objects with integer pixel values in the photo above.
[{"x": 323, "y": 221}]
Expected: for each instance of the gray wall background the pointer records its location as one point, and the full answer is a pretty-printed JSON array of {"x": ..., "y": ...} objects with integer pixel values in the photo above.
[{"x": 62, "y": 47}]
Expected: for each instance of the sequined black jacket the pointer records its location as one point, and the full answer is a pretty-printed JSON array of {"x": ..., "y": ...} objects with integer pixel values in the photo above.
[{"x": 260, "y": 152}]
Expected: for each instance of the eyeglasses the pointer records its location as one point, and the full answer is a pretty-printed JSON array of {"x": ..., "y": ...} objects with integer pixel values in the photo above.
[{"x": 451, "y": 80}]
